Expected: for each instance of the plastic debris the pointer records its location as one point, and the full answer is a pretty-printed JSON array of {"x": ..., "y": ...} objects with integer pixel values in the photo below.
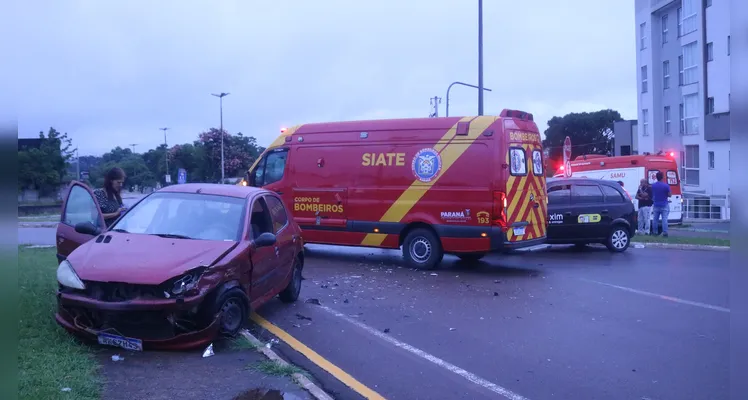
[
  {"x": 66, "y": 390},
  {"x": 434, "y": 274},
  {"x": 312, "y": 301},
  {"x": 208, "y": 351},
  {"x": 304, "y": 317},
  {"x": 386, "y": 330},
  {"x": 639, "y": 246},
  {"x": 271, "y": 343},
  {"x": 117, "y": 357},
  {"x": 452, "y": 329}
]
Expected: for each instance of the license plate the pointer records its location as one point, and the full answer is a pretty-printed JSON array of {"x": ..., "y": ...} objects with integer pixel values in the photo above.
[
  {"x": 519, "y": 231},
  {"x": 121, "y": 341}
]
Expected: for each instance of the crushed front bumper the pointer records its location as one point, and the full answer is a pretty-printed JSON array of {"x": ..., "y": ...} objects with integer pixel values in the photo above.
[{"x": 162, "y": 324}]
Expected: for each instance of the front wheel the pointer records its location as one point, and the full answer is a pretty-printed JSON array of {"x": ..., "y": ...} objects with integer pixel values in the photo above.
[
  {"x": 619, "y": 239},
  {"x": 291, "y": 293},
  {"x": 422, "y": 249},
  {"x": 234, "y": 311}
]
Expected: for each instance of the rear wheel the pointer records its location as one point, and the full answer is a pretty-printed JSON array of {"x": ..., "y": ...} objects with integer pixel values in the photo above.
[
  {"x": 619, "y": 239},
  {"x": 422, "y": 249},
  {"x": 291, "y": 293}
]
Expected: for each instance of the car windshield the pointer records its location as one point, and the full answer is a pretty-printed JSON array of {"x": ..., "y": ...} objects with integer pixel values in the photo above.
[{"x": 185, "y": 216}]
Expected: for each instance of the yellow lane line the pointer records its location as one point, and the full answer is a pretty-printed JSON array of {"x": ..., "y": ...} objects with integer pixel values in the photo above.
[{"x": 320, "y": 361}]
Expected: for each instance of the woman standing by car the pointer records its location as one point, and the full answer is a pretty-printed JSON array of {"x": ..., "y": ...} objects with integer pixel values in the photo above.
[{"x": 109, "y": 197}]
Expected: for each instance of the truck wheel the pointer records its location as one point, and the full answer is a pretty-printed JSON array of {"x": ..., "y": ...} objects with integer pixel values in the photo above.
[
  {"x": 422, "y": 249},
  {"x": 471, "y": 257},
  {"x": 619, "y": 239}
]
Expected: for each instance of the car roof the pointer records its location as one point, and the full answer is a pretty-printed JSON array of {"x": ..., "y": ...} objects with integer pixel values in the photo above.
[
  {"x": 214, "y": 189},
  {"x": 584, "y": 180}
]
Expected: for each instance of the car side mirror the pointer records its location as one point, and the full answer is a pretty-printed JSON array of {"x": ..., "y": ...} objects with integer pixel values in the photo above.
[
  {"x": 87, "y": 228},
  {"x": 265, "y": 239}
]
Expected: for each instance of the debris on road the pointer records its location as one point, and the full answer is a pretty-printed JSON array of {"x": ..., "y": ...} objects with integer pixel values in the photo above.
[
  {"x": 434, "y": 274},
  {"x": 452, "y": 329},
  {"x": 323, "y": 286},
  {"x": 208, "y": 352},
  {"x": 313, "y": 301},
  {"x": 66, "y": 389},
  {"x": 271, "y": 343},
  {"x": 386, "y": 330},
  {"x": 296, "y": 326},
  {"x": 346, "y": 301},
  {"x": 495, "y": 293},
  {"x": 304, "y": 317},
  {"x": 117, "y": 357}
]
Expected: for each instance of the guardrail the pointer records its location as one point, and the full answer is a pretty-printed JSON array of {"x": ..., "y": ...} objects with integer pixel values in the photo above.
[{"x": 706, "y": 208}]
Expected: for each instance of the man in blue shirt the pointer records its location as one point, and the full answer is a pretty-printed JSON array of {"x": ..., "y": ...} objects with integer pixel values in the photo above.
[{"x": 661, "y": 207}]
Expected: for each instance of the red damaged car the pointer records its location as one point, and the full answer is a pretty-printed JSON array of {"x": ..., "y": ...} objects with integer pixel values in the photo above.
[{"x": 183, "y": 265}]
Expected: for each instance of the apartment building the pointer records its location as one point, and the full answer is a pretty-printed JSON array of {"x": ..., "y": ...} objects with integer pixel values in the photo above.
[{"x": 683, "y": 82}]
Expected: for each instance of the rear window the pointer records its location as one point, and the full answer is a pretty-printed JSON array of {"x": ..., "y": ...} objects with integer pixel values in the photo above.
[
  {"x": 585, "y": 194},
  {"x": 612, "y": 195},
  {"x": 537, "y": 163},
  {"x": 559, "y": 194},
  {"x": 517, "y": 161}
]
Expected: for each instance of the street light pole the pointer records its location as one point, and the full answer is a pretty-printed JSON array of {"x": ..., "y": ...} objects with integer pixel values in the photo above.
[
  {"x": 220, "y": 102},
  {"x": 77, "y": 165},
  {"x": 480, "y": 57},
  {"x": 166, "y": 152},
  {"x": 463, "y": 84}
]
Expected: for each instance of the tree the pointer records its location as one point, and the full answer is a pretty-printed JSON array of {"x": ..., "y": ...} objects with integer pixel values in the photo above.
[
  {"x": 590, "y": 133},
  {"x": 239, "y": 153},
  {"x": 137, "y": 171},
  {"x": 44, "y": 168}
]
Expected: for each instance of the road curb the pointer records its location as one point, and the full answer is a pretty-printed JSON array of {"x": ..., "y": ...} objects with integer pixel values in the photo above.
[
  {"x": 300, "y": 379},
  {"x": 38, "y": 224},
  {"x": 677, "y": 246}
]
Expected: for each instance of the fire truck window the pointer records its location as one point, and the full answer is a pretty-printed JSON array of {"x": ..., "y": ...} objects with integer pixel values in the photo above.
[
  {"x": 275, "y": 166},
  {"x": 672, "y": 178},
  {"x": 586, "y": 194},
  {"x": 559, "y": 195},
  {"x": 517, "y": 161},
  {"x": 537, "y": 163}
]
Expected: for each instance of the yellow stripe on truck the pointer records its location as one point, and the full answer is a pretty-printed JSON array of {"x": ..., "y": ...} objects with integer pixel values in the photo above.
[{"x": 450, "y": 152}]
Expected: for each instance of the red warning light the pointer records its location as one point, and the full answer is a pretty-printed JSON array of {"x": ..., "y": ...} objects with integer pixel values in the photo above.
[{"x": 672, "y": 154}]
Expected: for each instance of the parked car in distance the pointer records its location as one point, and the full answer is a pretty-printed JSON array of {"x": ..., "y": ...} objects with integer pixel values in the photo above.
[
  {"x": 183, "y": 265},
  {"x": 583, "y": 211}
]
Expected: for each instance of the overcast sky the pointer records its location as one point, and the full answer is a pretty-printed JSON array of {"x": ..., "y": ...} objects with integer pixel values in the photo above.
[{"x": 112, "y": 72}]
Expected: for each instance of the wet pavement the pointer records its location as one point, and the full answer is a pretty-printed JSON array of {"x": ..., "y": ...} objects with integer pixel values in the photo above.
[{"x": 565, "y": 324}]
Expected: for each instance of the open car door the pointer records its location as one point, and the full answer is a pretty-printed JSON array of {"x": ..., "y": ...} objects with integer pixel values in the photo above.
[{"x": 79, "y": 205}]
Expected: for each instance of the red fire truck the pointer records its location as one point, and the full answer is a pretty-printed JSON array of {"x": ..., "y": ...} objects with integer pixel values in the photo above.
[{"x": 465, "y": 186}]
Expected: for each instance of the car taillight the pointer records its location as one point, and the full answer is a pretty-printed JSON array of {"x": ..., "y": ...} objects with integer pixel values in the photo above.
[{"x": 499, "y": 209}]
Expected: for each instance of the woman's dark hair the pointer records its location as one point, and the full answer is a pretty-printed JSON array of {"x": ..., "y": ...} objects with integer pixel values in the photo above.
[{"x": 113, "y": 174}]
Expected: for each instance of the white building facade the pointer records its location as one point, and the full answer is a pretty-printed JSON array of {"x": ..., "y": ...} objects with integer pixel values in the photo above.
[{"x": 683, "y": 82}]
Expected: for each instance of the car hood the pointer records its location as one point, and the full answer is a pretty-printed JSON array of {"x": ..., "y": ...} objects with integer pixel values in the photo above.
[{"x": 143, "y": 259}]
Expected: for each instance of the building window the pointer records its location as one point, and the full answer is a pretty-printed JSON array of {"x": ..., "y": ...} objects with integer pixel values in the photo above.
[
  {"x": 710, "y": 51},
  {"x": 666, "y": 74},
  {"x": 645, "y": 122},
  {"x": 680, "y": 70},
  {"x": 644, "y": 79},
  {"x": 690, "y": 64},
  {"x": 664, "y": 29},
  {"x": 728, "y": 45},
  {"x": 711, "y": 159},
  {"x": 688, "y": 20},
  {"x": 681, "y": 118},
  {"x": 643, "y": 36},
  {"x": 666, "y": 115},
  {"x": 680, "y": 21},
  {"x": 691, "y": 114},
  {"x": 691, "y": 166},
  {"x": 710, "y": 105}
]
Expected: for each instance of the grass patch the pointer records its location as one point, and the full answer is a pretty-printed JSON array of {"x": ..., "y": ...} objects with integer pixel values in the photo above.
[
  {"x": 275, "y": 368},
  {"x": 48, "y": 358},
  {"x": 704, "y": 241},
  {"x": 242, "y": 343}
]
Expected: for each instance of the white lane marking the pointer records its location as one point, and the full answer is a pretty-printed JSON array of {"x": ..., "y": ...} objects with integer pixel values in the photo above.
[
  {"x": 435, "y": 360},
  {"x": 663, "y": 297}
]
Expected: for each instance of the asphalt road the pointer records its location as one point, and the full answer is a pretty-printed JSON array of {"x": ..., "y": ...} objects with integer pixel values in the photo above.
[{"x": 566, "y": 324}]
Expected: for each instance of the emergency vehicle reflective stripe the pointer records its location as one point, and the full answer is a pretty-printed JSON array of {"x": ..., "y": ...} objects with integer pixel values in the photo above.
[
  {"x": 276, "y": 143},
  {"x": 450, "y": 151},
  {"x": 519, "y": 190}
]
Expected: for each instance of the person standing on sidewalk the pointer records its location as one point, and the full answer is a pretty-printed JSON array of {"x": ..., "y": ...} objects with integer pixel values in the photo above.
[
  {"x": 661, "y": 204},
  {"x": 644, "y": 197}
]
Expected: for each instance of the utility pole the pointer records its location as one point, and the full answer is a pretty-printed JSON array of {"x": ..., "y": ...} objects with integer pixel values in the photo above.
[
  {"x": 220, "y": 102},
  {"x": 77, "y": 165},
  {"x": 133, "y": 147},
  {"x": 463, "y": 84},
  {"x": 480, "y": 57},
  {"x": 166, "y": 153},
  {"x": 435, "y": 101}
]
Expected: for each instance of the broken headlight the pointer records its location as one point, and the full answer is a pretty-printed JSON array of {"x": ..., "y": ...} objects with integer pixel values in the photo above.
[
  {"x": 66, "y": 276},
  {"x": 186, "y": 282}
]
